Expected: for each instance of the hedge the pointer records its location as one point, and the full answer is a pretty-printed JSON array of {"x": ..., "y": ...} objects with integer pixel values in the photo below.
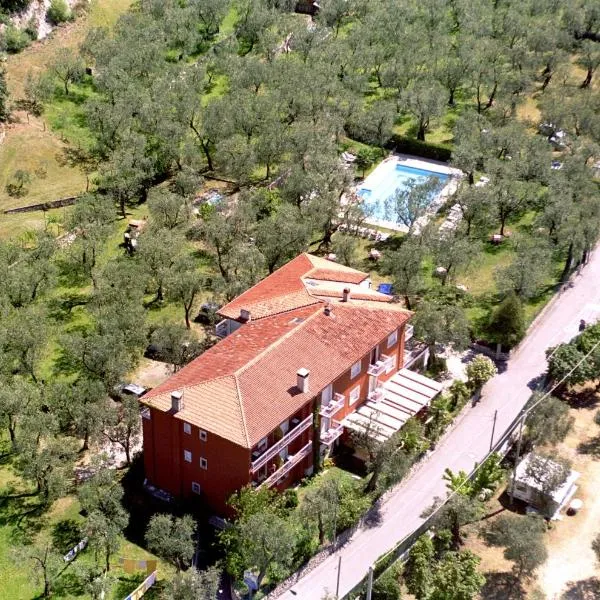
[{"x": 406, "y": 145}]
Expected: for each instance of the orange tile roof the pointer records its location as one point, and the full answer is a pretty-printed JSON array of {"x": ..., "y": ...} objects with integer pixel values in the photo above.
[
  {"x": 245, "y": 386},
  {"x": 285, "y": 290}
]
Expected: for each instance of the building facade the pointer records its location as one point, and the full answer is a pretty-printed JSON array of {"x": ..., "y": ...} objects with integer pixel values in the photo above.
[{"x": 302, "y": 351}]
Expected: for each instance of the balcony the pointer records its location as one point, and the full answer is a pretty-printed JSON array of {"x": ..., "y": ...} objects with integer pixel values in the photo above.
[
  {"x": 332, "y": 434},
  {"x": 384, "y": 365},
  {"x": 289, "y": 437},
  {"x": 377, "y": 394},
  {"x": 289, "y": 464},
  {"x": 335, "y": 405},
  {"x": 222, "y": 329}
]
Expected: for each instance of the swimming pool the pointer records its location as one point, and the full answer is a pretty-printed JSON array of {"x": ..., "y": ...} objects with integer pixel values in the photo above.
[{"x": 386, "y": 179}]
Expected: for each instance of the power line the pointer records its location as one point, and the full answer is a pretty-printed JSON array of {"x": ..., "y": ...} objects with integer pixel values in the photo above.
[{"x": 520, "y": 420}]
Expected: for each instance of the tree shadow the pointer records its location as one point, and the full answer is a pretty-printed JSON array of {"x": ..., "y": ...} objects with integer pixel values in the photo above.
[
  {"x": 586, "y": 398},
  {"x": 127, "y": 583},
  {"x": 373, "y": 518},
  {"x": 590, "y": 447},
  {"x": 502, "y": 586},
  {"x": 61, "y": 308},
  {"x": 66, "y": 534},
  {"x": 68, "y": 584},
  {"x": 586, "y": 589},
  {"x": 70, "y": 274}
]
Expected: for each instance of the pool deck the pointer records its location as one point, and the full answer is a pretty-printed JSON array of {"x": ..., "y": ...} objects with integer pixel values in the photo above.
[{"x": 429, "y": 165}]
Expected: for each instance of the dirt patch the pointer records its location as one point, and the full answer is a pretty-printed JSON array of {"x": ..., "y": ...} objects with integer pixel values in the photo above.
[
  {"x": 571, "y": 571},
  {"x": 151, "y": 373},
  {"x": 571, "y": 561}
]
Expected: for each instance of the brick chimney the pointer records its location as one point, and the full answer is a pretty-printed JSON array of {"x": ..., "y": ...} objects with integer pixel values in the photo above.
[
  {"x": 346, "y": 295},
  {"x": 245, "y": 315}
]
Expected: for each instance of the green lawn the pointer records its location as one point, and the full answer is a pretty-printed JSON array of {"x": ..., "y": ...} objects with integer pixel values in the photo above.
[{"x": 16, "y": 579}]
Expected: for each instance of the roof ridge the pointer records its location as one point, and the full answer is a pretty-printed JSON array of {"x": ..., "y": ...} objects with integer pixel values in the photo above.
[
  {"x": 277, "y": 342},
  {"x": 242, "y": 412},
  {"x": 261, "y": 281}
]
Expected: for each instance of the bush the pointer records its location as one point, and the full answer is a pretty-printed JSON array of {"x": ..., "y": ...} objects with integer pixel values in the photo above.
[
  {"x": 58, "y": 12},
  {"x": 17, "y": 186},
  {"x": 387, "y": 586},
  {"x": 31, "y": 29},
  {"x": 459, "y": 394},
  {"x": 479, "y": 371},
  {"x": 418, "y": 148},
  {"x": 507, "y": 323},
  {"x": 14, "y": 39}
]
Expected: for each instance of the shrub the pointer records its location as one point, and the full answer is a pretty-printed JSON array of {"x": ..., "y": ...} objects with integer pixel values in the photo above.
[
  {"x": 459, "y": 394},
  {"x": 58, "y": 12},
  {"x": 16, "y": 187},
  {"x": 387, "y": 586},
  {"x": 480, "y": 370},
  {"x": 419, "y": 148},
  {"x": 31, "y": 29},
  {"x": 15, "y": 39},
  {"x": 507, "y": 323}
]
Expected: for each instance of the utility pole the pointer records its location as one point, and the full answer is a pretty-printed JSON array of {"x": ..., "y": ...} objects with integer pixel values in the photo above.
[
  {"x": 493, "y": 429},
  {"x": 512, "y": 485},
  {"x": 337, "y": 587},
  {"x": 370, "y": 584}
]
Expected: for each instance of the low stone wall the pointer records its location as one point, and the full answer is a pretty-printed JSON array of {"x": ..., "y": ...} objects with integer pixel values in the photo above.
[{"x": 43, "y": 205}]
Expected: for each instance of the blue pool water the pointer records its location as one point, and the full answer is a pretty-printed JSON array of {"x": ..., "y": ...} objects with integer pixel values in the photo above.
[{"x": 386, "y": 179}]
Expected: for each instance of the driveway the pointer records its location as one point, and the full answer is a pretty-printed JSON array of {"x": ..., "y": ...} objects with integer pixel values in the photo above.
[{"x": 467, "y": 444}]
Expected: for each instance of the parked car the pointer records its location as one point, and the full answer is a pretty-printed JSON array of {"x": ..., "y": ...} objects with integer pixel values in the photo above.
[
  {"x": 129, "y": 389},
  {"x": 208, "y": 313}
]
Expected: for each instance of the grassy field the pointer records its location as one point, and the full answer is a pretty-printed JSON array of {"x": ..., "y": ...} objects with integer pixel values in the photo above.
[
  {"x": 16, "y": 578},
  {"x": 101, "y": 13},
  {"x": 37, "y": 147}
]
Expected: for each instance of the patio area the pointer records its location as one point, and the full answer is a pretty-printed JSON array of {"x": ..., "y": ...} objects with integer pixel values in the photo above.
[{"x": 393, "y": 403}]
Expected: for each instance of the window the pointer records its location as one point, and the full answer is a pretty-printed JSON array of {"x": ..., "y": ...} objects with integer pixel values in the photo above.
[
  {"x": 262, "y": 445},
  {"x": 146, "y": 413},
  {"x": 355, "y": 370},
  {"x": 326, "y": 395},
  {"x": 355, "y": 394},
  {"x": 187, "y": 428},
  {"x": 392, "y": 339},
  {"x": 187, "y": 456},
  {"x": 195, "y": 487},
  {"x": 285, "y": 426},
  {"x": 202, "y": 435},
  {"x": 203, "y": 463}
]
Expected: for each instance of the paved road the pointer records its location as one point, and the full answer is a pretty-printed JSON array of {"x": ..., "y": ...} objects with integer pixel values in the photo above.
[{"x": 468, "y": 443}]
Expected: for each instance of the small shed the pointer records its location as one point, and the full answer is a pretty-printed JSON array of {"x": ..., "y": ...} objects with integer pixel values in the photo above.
[{"x": 533, "y": 485}]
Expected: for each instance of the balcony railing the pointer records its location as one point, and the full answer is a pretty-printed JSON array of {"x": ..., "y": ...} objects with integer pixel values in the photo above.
[
  {"x": 377, "y": 394},
  {"x": 222, "y": 329},
  {"x": 289, "y": 437},
  {"x": 332, "y": 434},
  {"x": 338, "y": 402},
  {"x": 384, "y": 365},
  {"x": 289, "y": 464}
]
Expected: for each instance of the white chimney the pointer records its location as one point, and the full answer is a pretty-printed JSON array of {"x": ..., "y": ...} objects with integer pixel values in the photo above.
[
  {"x": 176, "y": 401},
  {"x": 302, "y": 380},
  {"x": 245, "y": 315},
  {"x": 346, "y": 295}
]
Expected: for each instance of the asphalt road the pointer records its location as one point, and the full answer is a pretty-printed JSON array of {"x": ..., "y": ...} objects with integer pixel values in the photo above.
[{"x": 467, "y": 444}]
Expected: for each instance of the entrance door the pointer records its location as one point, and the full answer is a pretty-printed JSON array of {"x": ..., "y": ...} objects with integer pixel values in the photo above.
[{"x": 374, "y": 355}]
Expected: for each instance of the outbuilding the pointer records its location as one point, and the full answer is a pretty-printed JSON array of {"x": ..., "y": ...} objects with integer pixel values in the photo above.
[{"x": 533, "y": 484}]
